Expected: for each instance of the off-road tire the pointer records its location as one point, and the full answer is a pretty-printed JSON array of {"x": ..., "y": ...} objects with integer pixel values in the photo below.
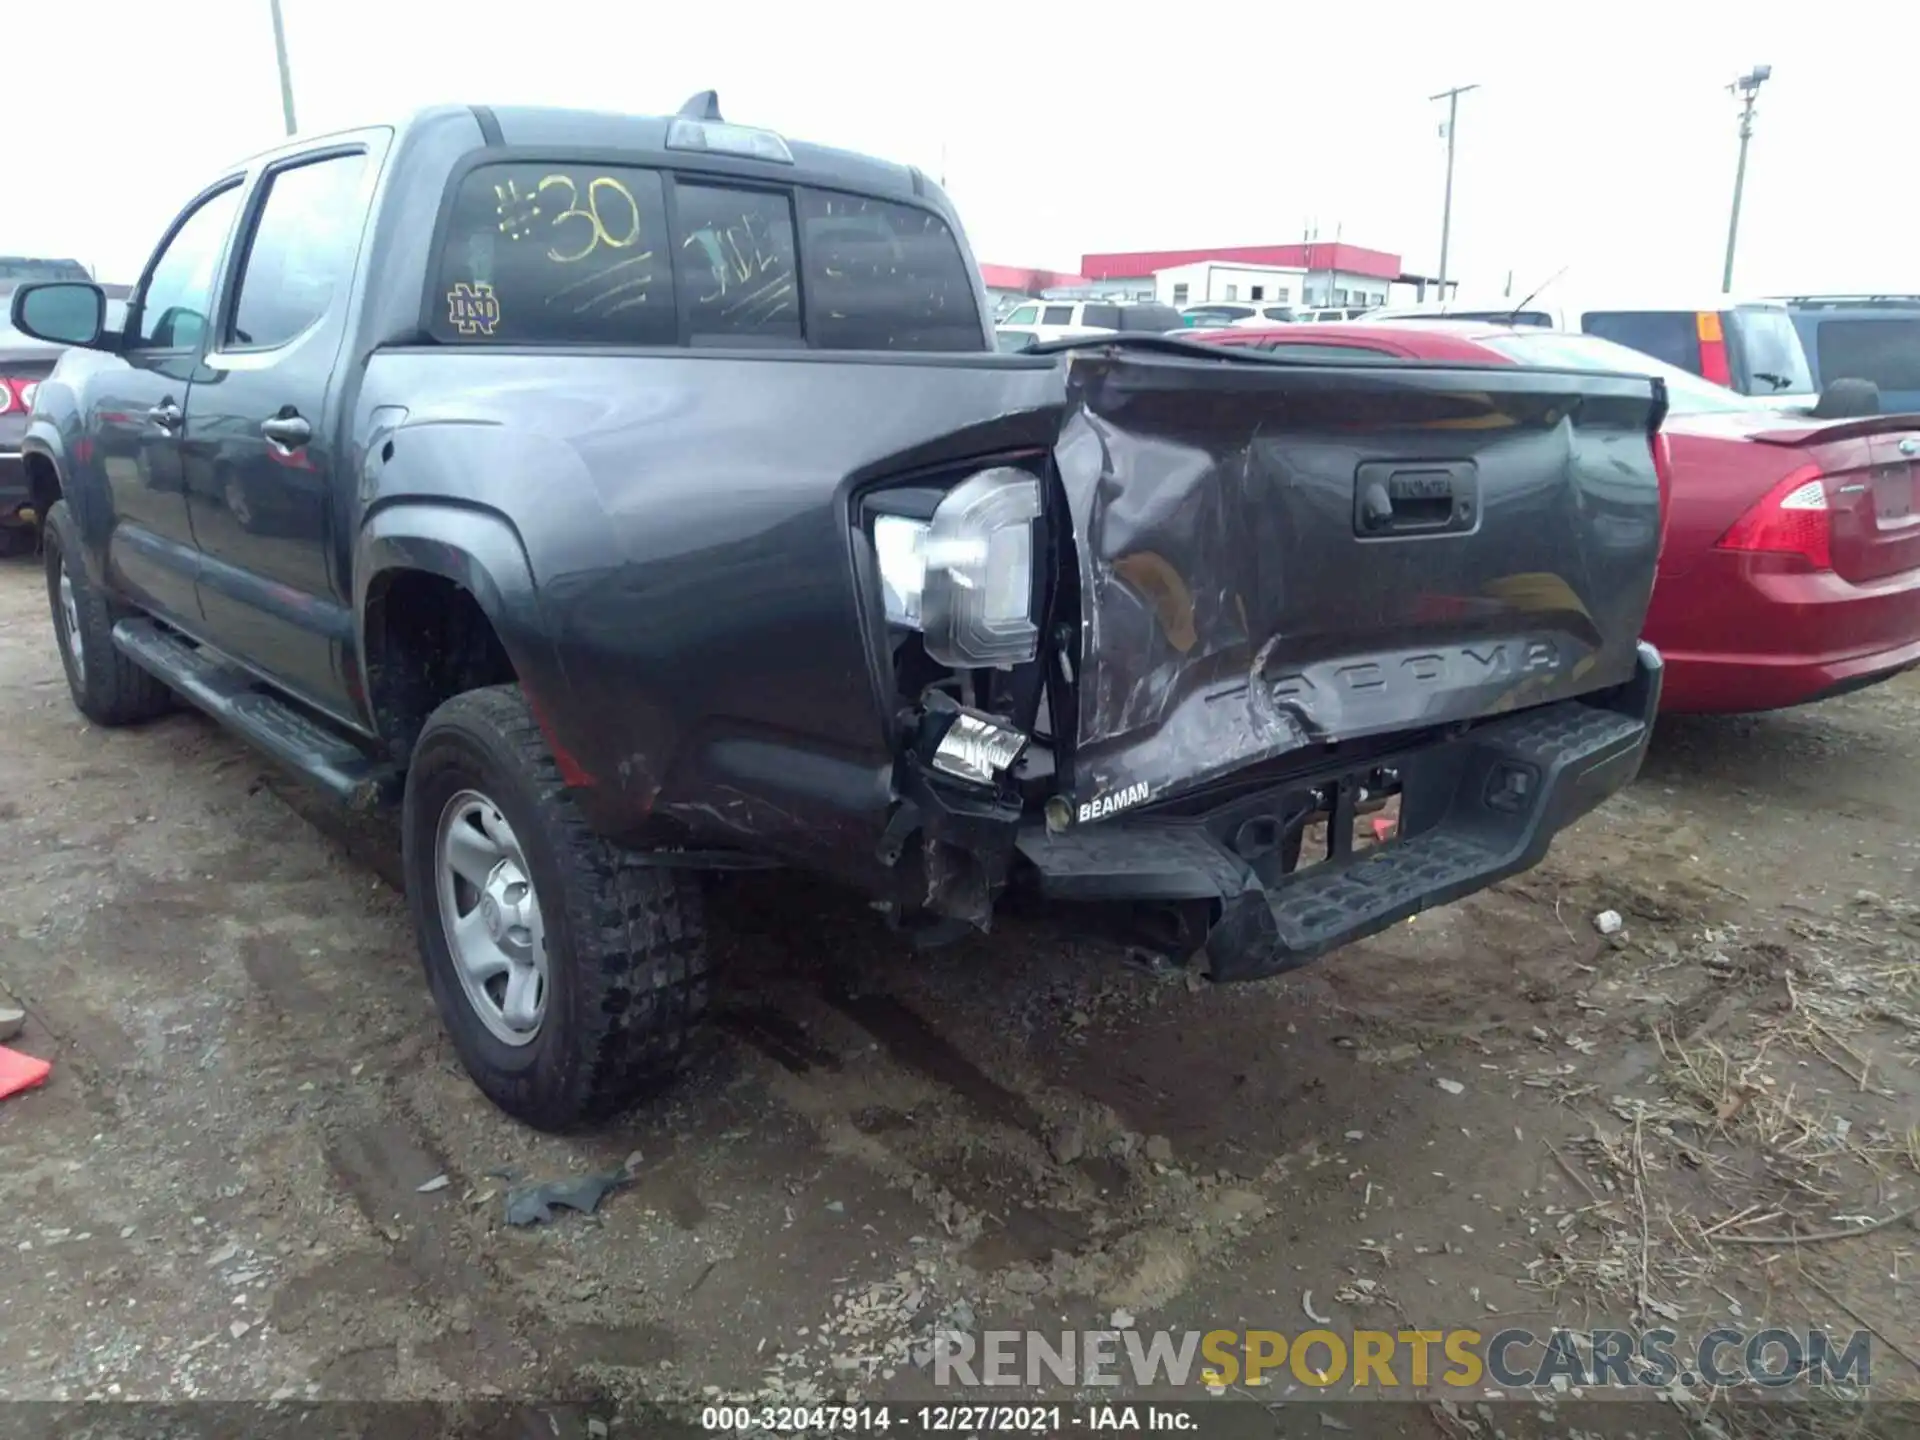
[
  {"x": 626, "y": 944},
  {"x": 110, "y": 689}
]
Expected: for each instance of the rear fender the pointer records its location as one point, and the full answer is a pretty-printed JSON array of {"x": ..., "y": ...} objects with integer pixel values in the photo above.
[{"x": 477, "y": 549}]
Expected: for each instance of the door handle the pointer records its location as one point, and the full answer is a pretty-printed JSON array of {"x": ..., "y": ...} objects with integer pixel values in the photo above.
[
  {"x": 289, "y": 432},
  {"x": 166, "y": 415}
]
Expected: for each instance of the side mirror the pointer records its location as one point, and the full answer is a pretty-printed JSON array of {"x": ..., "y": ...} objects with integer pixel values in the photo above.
[{"x": 62, "y": 312}]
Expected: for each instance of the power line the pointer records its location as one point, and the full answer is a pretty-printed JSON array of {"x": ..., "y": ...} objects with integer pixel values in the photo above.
[{"x": 1452, "y": 97}]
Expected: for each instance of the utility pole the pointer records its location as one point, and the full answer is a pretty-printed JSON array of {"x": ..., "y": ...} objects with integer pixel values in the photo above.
[
  {"x": 1747, "y": 87},
  {"x": 286, "y": 75},
  {"x": 1452, "y": 97}
]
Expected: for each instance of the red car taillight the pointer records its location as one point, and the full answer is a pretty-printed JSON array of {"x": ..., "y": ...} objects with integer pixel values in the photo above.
[
  {"x": 1792, "y": 519},
  {"x": 1663, "y": 470},
  {"x": 16, "y": 394},
  {"x": 1713, "y": 348}
]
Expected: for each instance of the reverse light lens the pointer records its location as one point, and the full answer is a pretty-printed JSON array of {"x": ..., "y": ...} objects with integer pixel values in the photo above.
[
  {"x": 900, "y": 545},
  {"x": 1793, "y": 519},
  {"x": 965, "y": 578}
]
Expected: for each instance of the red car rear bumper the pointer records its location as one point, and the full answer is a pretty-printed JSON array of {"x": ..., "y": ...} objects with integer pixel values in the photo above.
[{"x": 1759, "y": 632}]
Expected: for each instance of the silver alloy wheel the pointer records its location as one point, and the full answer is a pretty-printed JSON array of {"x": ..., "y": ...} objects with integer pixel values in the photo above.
[
  {"x": 70, "y": 624},
  {"x": 491, "y": 917}
]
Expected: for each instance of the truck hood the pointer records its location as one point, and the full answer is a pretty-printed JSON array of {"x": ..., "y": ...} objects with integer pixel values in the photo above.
[{"x": 1276, "y": 556}]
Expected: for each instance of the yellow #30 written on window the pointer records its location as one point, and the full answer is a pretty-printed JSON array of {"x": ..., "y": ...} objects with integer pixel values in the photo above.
[{"x": 518, "y": 212}]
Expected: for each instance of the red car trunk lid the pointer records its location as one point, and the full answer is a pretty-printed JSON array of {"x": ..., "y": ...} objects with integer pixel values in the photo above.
[{"x": 1870, "y": 470}]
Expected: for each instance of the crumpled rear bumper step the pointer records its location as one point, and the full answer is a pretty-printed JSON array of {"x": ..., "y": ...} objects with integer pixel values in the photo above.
[{"x": 1474, "y": 809}]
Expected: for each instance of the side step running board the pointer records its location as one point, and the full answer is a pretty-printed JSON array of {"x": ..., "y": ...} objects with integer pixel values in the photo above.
[{"x": 238, "y": 701}]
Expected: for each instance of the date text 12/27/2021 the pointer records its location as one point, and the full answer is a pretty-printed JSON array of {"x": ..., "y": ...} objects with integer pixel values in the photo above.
[{"x": 945, "y": 1419}]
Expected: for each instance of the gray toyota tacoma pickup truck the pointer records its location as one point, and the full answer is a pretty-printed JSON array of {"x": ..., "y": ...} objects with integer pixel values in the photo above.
[{"x": 629, "y": 498}]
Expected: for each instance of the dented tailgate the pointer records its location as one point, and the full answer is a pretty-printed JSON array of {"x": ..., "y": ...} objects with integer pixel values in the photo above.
[{"x": 1275, "y": 555}]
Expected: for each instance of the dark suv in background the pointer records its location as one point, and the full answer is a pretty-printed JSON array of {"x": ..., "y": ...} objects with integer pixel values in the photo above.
[{"x": 1875, "y": 338}]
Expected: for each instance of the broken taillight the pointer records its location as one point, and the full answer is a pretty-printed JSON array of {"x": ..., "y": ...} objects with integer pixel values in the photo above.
[{"x": 1791, "y": 519}]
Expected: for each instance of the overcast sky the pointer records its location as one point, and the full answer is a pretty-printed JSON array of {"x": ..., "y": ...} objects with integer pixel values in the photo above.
[{"x": 1602, "y": 140}]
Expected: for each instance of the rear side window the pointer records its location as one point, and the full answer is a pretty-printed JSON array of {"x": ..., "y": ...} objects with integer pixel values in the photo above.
[
  {"x": 1154, "y": 318},
  {"x": 300, "y": 260},
  {"x": 881, "y": 276},
  {"x": 1669, "y": 335},
  {"x": 1058, "y": 315},
  {"x": 557, "y": 254},
  {"x": 1770, "y": 349},
  {"x": 1887, "y": 352},
  {"x": 1219, "y": 314},
  {"x": 1101, "y": 317}
]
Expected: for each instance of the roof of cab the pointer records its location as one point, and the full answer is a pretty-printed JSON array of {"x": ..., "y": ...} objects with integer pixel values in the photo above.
[
  {"x": 541, "y": 127},
  {"x": 522, "y": 125}
]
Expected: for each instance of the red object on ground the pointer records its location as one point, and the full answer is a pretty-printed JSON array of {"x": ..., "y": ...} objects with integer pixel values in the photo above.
[
  {"x": 20, "y": 1072},
  {"x": 1382, "y": 828},
  {"x": 1790, "y": 561}
]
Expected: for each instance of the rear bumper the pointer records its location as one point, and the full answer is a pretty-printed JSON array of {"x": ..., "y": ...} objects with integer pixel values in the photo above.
[
  {"x": 1739, "y": 684},
  {"x": 1474, "y": 809},
  {"x": 1742, "y": 636}
]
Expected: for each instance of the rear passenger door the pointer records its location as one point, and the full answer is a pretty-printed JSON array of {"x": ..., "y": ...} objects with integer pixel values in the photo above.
[{"x": 266, "y": 484}]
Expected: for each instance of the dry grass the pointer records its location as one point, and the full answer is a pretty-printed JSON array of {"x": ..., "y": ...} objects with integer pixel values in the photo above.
[{"x": 1781, "y": 1128}]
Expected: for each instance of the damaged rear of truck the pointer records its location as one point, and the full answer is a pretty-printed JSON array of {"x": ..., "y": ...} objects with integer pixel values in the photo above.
[
  {"x": 1122, "y": 623},
  {"x": 633, "y": 497}
]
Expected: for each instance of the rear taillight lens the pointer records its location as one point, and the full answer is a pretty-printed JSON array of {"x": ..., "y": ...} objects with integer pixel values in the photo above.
[
  {"x": 7, "y": 402},
  {"x": 1713, "y": 348},
  {"x": 1792, "y": 519},
  {"x": 1663, "y": 470},
  {"x": 16, "y": 394}
]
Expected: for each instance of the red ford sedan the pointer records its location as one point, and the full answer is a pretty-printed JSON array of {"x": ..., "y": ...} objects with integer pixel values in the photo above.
[{"x": 1791, "y": 569}]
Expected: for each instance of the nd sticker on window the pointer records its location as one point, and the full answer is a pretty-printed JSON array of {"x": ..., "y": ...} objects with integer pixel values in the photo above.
[{"x": 473, "y": 309}]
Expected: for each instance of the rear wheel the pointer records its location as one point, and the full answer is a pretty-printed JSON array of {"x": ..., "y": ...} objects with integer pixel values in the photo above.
[
  {"x": 108, "y": 688},
  {"x": 569, "y": 975}
]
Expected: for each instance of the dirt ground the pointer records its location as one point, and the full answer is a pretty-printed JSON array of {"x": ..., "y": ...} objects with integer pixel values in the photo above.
[{"x": 1492, "y": 1116}]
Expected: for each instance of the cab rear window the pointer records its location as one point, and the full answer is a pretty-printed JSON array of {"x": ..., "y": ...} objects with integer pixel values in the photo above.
[{"x": 585, "y": 254}]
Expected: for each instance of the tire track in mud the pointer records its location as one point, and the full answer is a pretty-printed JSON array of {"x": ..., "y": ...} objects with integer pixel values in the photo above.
[{"x": 1037, "y": 1189}]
